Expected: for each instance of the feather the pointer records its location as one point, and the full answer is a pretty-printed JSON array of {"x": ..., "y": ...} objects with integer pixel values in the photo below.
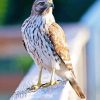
[{"x": 57, "y": 36}]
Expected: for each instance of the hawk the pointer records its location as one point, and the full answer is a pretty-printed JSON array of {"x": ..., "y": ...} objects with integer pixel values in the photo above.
[{"x": 45, "y": 41}]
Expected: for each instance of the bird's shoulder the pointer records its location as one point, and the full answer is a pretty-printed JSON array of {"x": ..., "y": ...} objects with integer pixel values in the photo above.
[{"x": 57, "y": 35}]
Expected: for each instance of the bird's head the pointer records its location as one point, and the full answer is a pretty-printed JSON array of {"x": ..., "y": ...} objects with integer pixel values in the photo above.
[{"x": 42, "y": 7}]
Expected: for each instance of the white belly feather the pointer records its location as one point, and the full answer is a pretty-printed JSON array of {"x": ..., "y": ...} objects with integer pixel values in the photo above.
[{"x": 35, "y": 42}]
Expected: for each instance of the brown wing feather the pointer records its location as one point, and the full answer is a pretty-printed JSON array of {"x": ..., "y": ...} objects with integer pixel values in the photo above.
[{"x": 57, "y": 36}]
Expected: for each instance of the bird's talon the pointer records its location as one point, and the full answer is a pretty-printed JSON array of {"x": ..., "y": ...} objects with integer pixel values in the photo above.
[
  {"x": 55, "y": 82},
  {"x": 50, "y": 84},
  {"x": 34, "y": 88}
]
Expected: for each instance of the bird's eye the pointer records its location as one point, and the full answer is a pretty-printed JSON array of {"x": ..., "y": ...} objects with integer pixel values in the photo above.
[{"x": 41, "y": 3}]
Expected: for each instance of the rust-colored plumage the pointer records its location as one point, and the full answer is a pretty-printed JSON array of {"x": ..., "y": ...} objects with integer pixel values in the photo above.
[{"x": 57, "y": 36}]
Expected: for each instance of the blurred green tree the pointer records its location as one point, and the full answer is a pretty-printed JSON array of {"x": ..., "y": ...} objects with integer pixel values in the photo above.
[
  {"x": 15, "y": 11},
  {"x": 3, "y": 10},
  {"x": 18, "y": 64}
]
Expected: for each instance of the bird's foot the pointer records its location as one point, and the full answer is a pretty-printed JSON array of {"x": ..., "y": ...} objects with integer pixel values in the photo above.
[
  {"x": 35, "y": 87},
  {"x": 51, "y": 83}
]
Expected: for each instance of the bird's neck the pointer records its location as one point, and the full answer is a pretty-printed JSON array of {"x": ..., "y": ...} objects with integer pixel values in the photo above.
[{"x": 48, "y": 17}]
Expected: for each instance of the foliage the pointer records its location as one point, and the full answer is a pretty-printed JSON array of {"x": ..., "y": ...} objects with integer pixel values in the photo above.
[
  {"x": 3, "y": 10},
  {"x": 19, "y": 64},
  {"x": 70, "y": 10},
  {"x": 24, "y": 63},
  {"x": 15, "y": 11}
]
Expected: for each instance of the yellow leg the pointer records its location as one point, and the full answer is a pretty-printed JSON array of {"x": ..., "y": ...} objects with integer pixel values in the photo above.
[
  {"x": 39, "y": 84},
  {"x": 40, "y": 75},
  {"x": 52, "y": 81}
]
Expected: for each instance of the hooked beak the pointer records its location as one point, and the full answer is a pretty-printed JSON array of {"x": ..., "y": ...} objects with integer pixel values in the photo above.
[
  {"x": 47, "y": 6},
  {"x": 50, "y": 5}
]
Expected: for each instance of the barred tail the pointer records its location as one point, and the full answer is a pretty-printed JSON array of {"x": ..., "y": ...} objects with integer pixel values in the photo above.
[{"x": 77, "y": 89}]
